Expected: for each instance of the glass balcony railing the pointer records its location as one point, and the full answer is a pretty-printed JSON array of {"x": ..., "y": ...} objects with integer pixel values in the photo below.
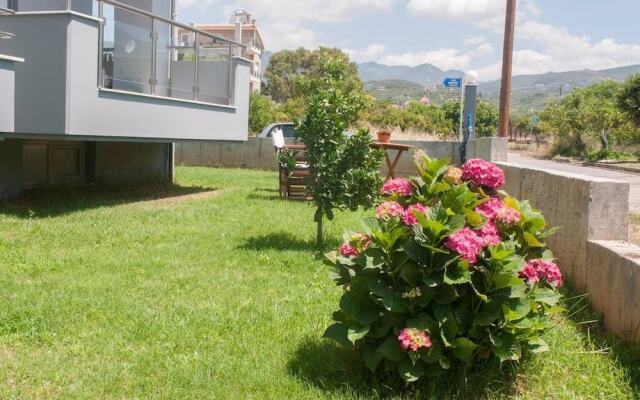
[{"x": 139, "y": 51}]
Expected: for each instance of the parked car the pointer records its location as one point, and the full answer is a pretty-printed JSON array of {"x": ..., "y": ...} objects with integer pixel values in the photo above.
[{"x": 288, "y": 130}]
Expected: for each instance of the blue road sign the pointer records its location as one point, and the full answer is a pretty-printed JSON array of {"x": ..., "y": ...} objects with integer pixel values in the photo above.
[
  {"x": 452, "y": 83},
  {"x": 535, "y": 120}
]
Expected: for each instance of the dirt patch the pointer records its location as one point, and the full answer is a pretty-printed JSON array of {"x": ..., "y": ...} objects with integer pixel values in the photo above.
[
  {"x": 173, "y": 200},
  {"x": 634, "y": 228}
]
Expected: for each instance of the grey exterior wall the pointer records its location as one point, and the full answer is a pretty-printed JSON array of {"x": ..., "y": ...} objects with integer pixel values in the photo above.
[
  {"x": 7, "y": 94},
  {"x": 10, "y": 168},
  {"x": 131, "y": 163},
  {"x": 57, "y": 91},
  {"x": 259, "y": 153}
]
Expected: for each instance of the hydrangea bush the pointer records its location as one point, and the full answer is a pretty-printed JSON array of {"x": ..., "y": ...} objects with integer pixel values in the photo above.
[{"x": 450, "y": 270}]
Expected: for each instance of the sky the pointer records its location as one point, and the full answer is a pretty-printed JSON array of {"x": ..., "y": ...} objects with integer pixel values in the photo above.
[{"x": 551, "y": 35}]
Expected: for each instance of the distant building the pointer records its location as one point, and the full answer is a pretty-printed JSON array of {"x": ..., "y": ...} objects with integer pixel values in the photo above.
[{"x": 242, "y": 29}]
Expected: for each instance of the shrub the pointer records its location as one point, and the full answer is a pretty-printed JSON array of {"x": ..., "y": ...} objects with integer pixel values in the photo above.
[
  {"x": 343, "y": 168},
  {"x": 449, "y": 271}
]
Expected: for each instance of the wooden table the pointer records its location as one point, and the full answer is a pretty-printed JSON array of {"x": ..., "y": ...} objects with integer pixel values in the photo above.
[{"x": 400, "y": 148}]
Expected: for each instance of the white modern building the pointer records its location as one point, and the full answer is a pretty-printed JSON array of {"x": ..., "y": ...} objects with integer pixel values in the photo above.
[{"x": 100, "y": 93}]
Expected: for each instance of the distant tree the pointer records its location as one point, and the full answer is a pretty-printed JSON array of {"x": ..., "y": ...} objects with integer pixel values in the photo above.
[
  {"x": 600, "y": 105},
  {"x": 486, "y": 117},
  {"x": 586, "y": 112},
  {"x": 288, "y": 71},
  {"x": 262, "y": 112},
  {"x": 343, "y": 170},
  {"x": 629, "y": 99}
]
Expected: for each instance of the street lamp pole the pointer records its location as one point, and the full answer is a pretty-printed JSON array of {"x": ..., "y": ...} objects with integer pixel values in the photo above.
[{"x": 507, "y": 68}]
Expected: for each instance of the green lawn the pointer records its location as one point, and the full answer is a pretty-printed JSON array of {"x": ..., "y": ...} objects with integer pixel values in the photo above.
[{"x": 109, "y": 294}]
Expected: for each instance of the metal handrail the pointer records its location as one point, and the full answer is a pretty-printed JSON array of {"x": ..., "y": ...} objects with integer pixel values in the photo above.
[
  {"x": 170, "y": 21},
  {"x": 4, "y": 11}
]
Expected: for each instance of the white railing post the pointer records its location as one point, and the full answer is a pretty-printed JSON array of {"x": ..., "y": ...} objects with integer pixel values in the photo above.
[
  {"x": 100, "y": 43},
  {"x": 196, "y": 86},
  {"x": 154, "y": 50}
]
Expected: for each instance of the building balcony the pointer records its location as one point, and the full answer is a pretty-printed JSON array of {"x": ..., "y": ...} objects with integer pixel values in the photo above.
[{"x": 103, "y": 70}]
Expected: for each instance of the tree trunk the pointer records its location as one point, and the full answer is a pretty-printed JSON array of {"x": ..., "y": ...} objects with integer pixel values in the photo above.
[
  {"x": 319, "y": 233},
  {"x": 604, "y": 139}
]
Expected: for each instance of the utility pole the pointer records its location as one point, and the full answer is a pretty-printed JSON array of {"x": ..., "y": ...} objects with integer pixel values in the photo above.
[{"x": 507, "y": 68}]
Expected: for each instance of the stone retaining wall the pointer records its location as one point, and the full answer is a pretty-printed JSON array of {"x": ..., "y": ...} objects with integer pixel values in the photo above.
[{"x": 591, "y": 245}]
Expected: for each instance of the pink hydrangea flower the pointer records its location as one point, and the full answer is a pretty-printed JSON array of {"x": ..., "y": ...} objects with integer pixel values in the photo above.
[
  {"x": 467, "y": 243},
  {"x": 358, "y": 243},
  {"x": 483, "y": 173},
  {"x": 348, "y": 250},
  {"x": 362, "y": 241},
  {"x": 536, "y": 270},
  {"x": 402, "y": 187},
  {"x": 529, "y": 274},
  {"x": 508, "y": 216},
  {"x": 489, "y": 234},
  {"x": 409, "y": 216},
  {"x": 490, "y": 208},
  {"x": 414, "y": 339},
  {"x": 389, "y": 209}
]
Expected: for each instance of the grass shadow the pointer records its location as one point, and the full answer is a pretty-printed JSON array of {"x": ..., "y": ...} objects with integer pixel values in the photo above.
[
  {"x": 269, "y": 190},
  {"x": 282, "y": 241},
  {"x": 52, "y": 202},
  {"x": 266, "y": 197},
  {"x": 337, "y": 370}
]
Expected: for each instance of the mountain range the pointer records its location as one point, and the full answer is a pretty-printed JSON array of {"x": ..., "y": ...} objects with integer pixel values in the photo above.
[{"x": 398, "y": 83}]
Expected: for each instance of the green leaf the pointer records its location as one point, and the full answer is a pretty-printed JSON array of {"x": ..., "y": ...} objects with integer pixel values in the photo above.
[
  {"x": 506, "y": 280},
  {"x": 516, "y": 309},
  {"x": 371, "y": 357},
  {"x": 457, "y": 273},
  {"x": 531, "y": 240},
  {"x": 538, "y": 345},
  {"x": 513, "y": 203},
  {"x": 547, "y": 296},
  {"x": 357, "y": 332},
  {"x": 338, "y": 332},
  {"x": 445, "y": 363},
  {"x": 489, "y": 313},
  {"x": 412, "y": 274},
  {"x": 433, "y": 355},
  {"x": 391, "y": 350},
  {"x": 474, "y": 219},
  {"x": 463, "y": 349},
  {"x": 445, "y": 294},
  {"x": 509, "y": 350},
  {"x": 409, "y": 371},
  {"x": 357, "y": 305},
  {"x": 448, "y": 330}
]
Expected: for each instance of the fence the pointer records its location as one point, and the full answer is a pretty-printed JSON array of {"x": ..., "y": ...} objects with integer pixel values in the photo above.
[{"x": 258, "y": 153}]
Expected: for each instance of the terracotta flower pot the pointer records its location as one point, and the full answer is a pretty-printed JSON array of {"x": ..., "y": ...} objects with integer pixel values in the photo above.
[{"x": 384, "y": 136}]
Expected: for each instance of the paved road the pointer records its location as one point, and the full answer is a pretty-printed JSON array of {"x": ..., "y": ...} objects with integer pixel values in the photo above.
[{"x": 633, "y": 179}]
